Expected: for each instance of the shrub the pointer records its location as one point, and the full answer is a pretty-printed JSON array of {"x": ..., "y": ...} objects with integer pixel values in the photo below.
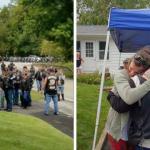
[
  {"x": 89, "y": 78},
  {"x": 93, "y": 78}
]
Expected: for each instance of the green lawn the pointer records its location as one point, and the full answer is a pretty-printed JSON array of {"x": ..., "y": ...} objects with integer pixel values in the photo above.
[
  {"x": 37, "y": 96},
  {"x": 87, "y": 99},
  {"x": 20, "y": 132}
]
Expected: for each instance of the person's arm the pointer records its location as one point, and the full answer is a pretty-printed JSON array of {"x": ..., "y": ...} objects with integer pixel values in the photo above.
[
  {"x": 128, "y": 94},
  {"x": 82, "y": 61},
  {"x": 117, "y": 103},
  {"x": 44, "y": 84}
]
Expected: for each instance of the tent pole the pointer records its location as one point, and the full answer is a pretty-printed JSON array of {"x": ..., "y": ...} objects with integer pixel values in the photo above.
[
  {"x": 119, "y": 59},
  {"x": 101, "y": 91}
]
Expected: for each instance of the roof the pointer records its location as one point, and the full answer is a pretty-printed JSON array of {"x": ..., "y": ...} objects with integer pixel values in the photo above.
[
  {"x": 131, "y": 19},
  {"x": 91, "y": 29},
  {"x": 130, "y": 28}
]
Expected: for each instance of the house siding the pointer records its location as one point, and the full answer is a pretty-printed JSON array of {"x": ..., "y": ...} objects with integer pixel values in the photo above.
[{"x": 94, "y": 64}]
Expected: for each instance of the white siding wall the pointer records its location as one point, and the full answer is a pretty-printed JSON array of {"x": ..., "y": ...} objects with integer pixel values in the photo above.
[
  {"x": 116, "y": 58},
  {"x": 89, "y": 63},
  {"x": 94, "y": 64}
]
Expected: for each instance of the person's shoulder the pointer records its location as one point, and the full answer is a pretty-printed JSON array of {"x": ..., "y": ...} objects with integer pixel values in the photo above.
[{"x": 121, "y": 74}]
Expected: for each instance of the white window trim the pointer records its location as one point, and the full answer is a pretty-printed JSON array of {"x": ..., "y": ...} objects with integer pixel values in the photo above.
[{"x": 90, "y": 50}]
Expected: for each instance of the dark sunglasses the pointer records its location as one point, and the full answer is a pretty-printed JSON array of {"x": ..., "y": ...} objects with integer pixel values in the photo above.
[{"x": 141, "y": 60}]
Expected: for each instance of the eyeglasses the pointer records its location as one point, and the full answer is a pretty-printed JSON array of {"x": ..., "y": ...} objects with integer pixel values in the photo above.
[{"x": 141, "y": 60}]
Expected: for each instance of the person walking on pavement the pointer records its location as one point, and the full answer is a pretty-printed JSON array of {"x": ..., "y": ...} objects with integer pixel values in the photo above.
[
  {"x": 32, "y": 71},
  {"x": 25, "y": 87},
  {"x": 3, "y": 66},
  {"x": 50, "y": 91},
  {"x": 2, "y": 95},
  {"x": 38, "y": 78},
  {"x": 8, "y": 88},
  {"x": 17, "y": 82},
  {"x": 60, "y": 87}
]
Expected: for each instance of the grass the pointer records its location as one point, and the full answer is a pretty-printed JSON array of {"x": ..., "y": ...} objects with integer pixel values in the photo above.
[
  {"x": 37, "y": 96},
  {"x": 20, "y": 132},
  {"x": 87, "y": 100}
]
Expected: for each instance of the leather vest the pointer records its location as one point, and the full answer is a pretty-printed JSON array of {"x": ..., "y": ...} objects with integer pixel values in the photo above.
[{"x": 51, "y": 85}]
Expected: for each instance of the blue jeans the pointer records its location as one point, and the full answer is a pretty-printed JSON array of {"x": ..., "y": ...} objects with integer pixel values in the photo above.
[
  {"x": 30, "y": 100},
  {"x": 16, "y": 95},
  {"x": 39, "y": 85},
  {"x": 1, "y": 101},
  {"x": 141, "y": 148},
  {"x": 60, "y": 89},
  {"x": 9, "y": 98},
  {"x": 26, "y": 98},
  {"x": 48, "y": 100}
]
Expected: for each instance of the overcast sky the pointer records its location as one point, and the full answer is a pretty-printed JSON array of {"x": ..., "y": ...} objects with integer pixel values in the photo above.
[{"x": 4, "y": 3}]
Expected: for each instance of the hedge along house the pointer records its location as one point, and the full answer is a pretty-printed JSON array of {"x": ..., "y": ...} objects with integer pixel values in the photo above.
[{"x": 91, "y": 41}]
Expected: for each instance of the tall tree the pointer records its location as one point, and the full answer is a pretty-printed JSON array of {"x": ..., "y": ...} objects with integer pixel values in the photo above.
[
  {"x": 96, "y": 11},
  {"x": 26, "y": 23}
]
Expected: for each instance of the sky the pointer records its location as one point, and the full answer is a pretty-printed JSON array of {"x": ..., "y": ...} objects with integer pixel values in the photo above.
[{"x": 4, "y": 3}]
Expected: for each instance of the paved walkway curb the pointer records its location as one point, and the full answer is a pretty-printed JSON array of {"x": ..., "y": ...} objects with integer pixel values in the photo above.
[{"x": 62, "y": 122}]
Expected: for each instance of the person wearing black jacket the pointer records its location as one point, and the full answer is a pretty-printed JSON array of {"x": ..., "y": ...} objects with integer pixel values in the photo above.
[
  {"x": 38, "y": 78},
  {"x": 17, "y": 82},
  {"x": 139, "y": 120},
  {"x": 3, "y": 66},
  {"x": 1, "y": 93},
  {"x": 50, "y": 91},
  {"x": 8, "y": 88},
  {"x": 25, "y": 88}
]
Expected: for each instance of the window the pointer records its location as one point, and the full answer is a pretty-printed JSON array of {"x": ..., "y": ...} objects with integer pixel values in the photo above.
[
  {"x": 89, "y": 49},
  {"x": 78, "y": 46},
  {"x": 102, "y": 45}
]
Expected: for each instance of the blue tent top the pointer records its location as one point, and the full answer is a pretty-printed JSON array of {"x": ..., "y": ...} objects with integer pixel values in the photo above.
[{"x": 130, "y": 28}]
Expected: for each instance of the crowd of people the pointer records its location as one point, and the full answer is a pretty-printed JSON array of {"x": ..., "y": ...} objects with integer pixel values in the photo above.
[{"x": 16, "y": 86}]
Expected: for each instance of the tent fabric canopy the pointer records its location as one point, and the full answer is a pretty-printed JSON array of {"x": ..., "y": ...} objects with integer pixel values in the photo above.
[{"x": 130, "y": 28}]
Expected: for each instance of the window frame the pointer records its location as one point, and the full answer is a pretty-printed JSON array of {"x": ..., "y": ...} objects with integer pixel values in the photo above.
[
  {"x": 102, "y": 50},
  {"x": 89, "y": 51}
]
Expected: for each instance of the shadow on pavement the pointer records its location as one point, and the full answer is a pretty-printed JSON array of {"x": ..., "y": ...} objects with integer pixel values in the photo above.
[{"x": 61, "y": 122}]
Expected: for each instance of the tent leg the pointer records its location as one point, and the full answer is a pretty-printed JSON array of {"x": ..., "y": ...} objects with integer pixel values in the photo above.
[
  {"x": 101, "y": 91},
  {"x": 119, "y": 60}
]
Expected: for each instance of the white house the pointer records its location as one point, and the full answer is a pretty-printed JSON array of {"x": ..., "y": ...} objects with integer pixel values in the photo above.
[{"x": 91, "y": 41}]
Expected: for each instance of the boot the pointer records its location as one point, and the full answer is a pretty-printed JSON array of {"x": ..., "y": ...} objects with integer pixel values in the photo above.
[
  {"x": 58, "y": 97},
  {"x": 62, "y": 95}
]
